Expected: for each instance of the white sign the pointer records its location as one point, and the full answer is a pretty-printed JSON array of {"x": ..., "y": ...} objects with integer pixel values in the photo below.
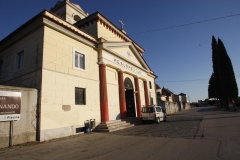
[
  {"x": 113, "y": 103},
  {"x": 10, "y": 117},
  {"x": 10, "y": 105}
]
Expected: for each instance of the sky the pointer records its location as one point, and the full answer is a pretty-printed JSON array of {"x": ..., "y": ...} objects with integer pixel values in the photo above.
[{"x": 176, "y": 34}]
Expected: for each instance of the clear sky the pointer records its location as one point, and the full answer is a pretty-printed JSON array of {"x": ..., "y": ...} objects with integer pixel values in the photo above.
[{"x": 181, "y": 56}]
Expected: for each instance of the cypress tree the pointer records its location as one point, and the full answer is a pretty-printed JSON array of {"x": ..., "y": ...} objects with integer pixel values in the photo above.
[
  {"x": 215, "y": 60},
  {"x": 228, "y": 82},
  {"x": 211, "y": 87},
  {"x": 222, "y": 83}
]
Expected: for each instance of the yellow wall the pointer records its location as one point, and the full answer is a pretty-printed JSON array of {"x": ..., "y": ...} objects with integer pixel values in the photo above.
[
  {"x": 142, "y": 95},
  {"x": 113, "y": 93},
  {"x": 59, "y": 80},
  {"x": 29, "y": 75},
  {"x": 152, "y": 91}
]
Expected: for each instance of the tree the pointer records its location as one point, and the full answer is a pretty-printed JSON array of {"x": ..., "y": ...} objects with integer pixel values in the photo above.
[
  {"x": 215, "y": 91},
  {"x": 212, "y": 88},
  {"x": 223, "y": 79},
  {"x": 227, "y": 77}
]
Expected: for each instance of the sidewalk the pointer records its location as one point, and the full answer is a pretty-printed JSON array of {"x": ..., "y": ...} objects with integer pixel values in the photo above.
[{"x": 225, "y": 128}]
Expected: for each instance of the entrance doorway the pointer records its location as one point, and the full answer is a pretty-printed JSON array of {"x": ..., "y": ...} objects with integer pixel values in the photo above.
[{"x": 129, "y": 96}]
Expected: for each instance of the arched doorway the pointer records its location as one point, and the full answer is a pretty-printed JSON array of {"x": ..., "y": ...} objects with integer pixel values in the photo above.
[{"x": 129, "y": 95}]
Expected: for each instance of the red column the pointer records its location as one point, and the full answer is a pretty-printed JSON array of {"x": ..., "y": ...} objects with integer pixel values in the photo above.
[
  {"x": 103, "y": 93},
  {"x": 138, "y": 100},
  {"x": 146, "y": 93},
  {"x": 122, "y": 100}
]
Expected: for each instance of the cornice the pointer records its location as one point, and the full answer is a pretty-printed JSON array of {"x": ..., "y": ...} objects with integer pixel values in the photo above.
[
  {"x": 132, "y": 47},
  {"x": 99, "y": 18},
  {"x": 104, "y": 48},
  {"x": 68, "y": 32},
  {"x": 66, "y": 24},
  {"x": 38, "y": 21}
]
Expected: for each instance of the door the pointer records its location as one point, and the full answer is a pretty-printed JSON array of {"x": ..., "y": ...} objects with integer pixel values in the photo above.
[
  {"x": 129, "y": 96},
  {"x": 130, "y": 105}
]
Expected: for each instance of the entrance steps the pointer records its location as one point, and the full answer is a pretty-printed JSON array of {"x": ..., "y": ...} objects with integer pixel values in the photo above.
[{"x": 115, "y": 125}]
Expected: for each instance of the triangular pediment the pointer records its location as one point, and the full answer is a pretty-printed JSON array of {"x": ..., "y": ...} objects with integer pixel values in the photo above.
[{"x": 127, "y": 52}]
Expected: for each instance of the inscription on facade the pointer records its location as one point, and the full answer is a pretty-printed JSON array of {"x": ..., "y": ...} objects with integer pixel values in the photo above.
[{"x": 125, "y": 65}]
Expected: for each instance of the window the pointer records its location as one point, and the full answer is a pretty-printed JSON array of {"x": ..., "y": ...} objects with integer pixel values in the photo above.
[
  {"x": 76, "y": 18},
  {"x": 158, "y": 109},
  {"x": 20, "y": 60},
  {"x": 147, "y": 110},
  {"x": 80, "y": 96},
  {"x": 79, "y": 61},
  {"x": 150, "y": 85},
  {"x": 1, "y": 64},
  {"x": 151, "y": 100}
]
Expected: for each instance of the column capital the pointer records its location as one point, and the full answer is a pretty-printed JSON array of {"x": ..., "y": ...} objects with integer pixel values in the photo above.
[
  {"x": 119, "y": 70},
  {"x": 101, "y": 63}
]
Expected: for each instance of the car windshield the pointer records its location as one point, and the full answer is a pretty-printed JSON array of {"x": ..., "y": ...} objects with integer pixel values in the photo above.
[{"x": 147, "y": 110}]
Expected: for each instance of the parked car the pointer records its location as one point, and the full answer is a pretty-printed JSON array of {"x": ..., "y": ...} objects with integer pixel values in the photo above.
[{"x": 153, "y": 113}]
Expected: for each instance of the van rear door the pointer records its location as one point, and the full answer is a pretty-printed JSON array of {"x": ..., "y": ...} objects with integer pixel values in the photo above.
[{"x": 148, "y": 113}]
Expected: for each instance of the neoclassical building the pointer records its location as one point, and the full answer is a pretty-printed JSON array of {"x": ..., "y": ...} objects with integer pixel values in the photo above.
[{"x": 83, "y": 66}]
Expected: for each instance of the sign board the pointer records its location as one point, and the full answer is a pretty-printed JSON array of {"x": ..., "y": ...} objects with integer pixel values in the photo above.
[{"x": 10, "y": 105}]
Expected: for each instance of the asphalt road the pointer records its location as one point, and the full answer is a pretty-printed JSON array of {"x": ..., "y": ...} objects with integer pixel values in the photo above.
[{"x": 199, "y": 133}]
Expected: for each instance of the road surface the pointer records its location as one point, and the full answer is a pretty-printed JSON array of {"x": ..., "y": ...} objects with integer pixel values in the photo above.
[{"x": 198, "y": 133}]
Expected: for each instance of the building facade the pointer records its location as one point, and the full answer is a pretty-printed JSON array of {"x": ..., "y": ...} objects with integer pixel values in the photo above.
[
  {"x": 166, "y": 99},
  {"x": 83, "y": 66}
]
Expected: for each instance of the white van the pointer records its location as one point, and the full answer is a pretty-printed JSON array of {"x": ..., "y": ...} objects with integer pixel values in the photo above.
[{"x": 153, "y": 113}]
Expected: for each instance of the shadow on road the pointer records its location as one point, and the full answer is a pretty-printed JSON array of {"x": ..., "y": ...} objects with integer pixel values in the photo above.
[
  {"x": 222, "y": 117},
  {"x": 209, "y": 109}
]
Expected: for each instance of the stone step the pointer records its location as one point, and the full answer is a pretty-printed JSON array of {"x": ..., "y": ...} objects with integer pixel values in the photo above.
[
  {"x": 112, "y": 129},
  {"x": 112, "y": 121},
  {"x": 115, "y": 125},
  {"x": 105, "y": 126}
]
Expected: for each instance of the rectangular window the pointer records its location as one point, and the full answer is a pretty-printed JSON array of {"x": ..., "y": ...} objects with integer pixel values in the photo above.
[
  {"x": 20, "y": 59},
  {"x": 147, "y": 110},
  {"x": 150, "y": 85},
  {"x": 151, "y": 100},
  {"x": 80, "y": 94},
  {"x": 79, "y": 60}
]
